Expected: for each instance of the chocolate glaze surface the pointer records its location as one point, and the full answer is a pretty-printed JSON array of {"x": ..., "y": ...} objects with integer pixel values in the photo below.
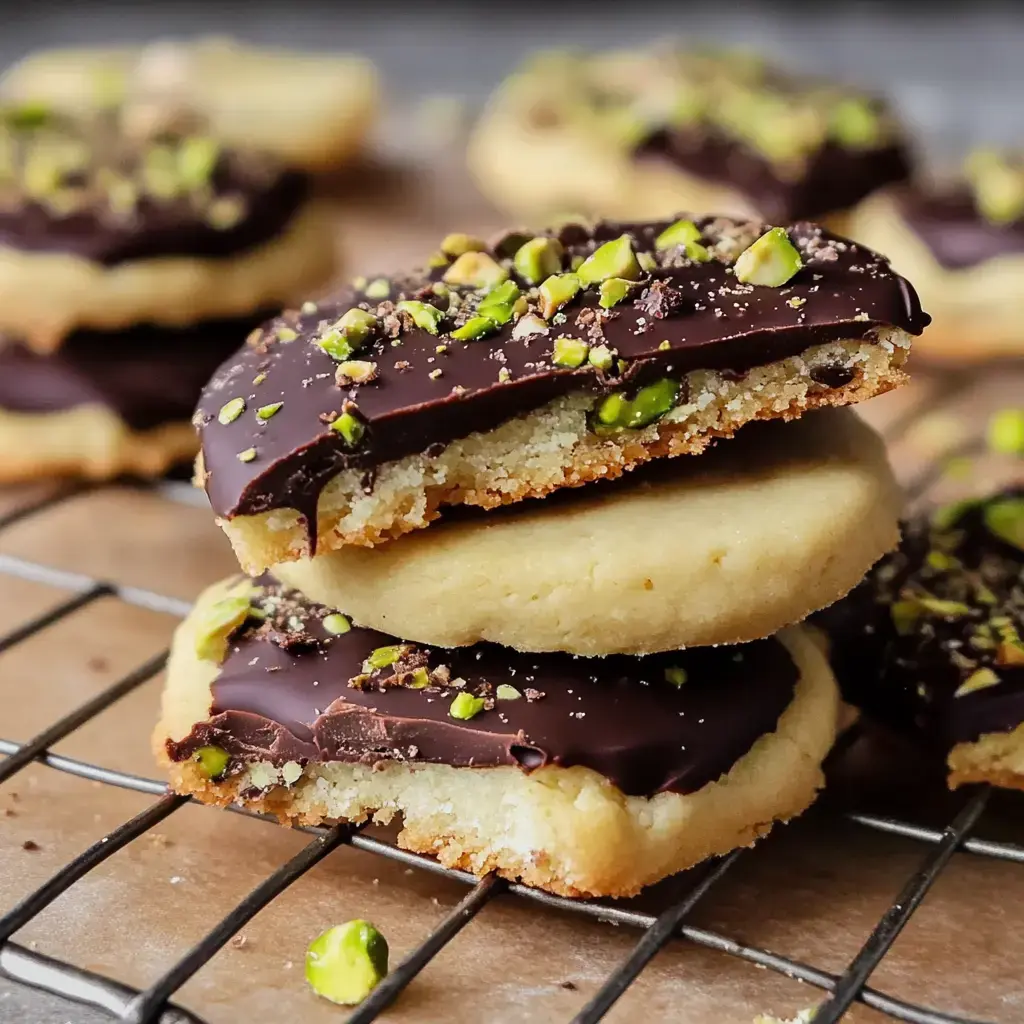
[
  {"x": 909, "y": 676},
  {"x": 683, "y": 315},
  {"x": 283, "y": 694},
  {"x": 148, "y": 375},
  {"x": 956, "y": 234}
]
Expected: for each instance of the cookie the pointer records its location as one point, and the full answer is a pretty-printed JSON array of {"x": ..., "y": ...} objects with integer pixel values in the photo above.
[
  {"x": 312, "y": 111},
  {"x": 640, "y": 134},
  {"x": 107, "y": 404},
  {"x": 582, "y": 777},
  {"x": 931, "y": 641},
  {"x": 100, "y": 231},
  {"x": 753, "y": 536},
  {"x": 963, "y": 244},
  {"x": 503, "y": 373}
]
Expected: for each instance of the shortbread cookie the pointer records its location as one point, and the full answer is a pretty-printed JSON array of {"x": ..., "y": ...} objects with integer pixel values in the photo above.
[
  {"x": 107, "y": 404},
  {"x": 932, "y": 640},
  {"x": 963, "y": 245},
  {"x": 583, "y": 777},
  {"x": 640, "y": 134},
  {"x": 751, "y": 537},
  {"x": 100, "y": 232},
  {"x": 503, "y": 373},
  {"x": 312, "y": 110}
]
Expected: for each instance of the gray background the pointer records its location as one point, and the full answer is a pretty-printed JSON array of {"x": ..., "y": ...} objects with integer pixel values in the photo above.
[{"x": 956, "y": 70}]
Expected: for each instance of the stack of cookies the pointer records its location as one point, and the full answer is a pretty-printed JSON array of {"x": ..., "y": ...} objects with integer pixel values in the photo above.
[
  {"x": 131, "y": 264},
  {"x": 481, "y": 598}
]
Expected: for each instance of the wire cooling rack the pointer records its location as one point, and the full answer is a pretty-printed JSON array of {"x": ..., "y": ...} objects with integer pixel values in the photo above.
[{"x": 154, "y": 1006}]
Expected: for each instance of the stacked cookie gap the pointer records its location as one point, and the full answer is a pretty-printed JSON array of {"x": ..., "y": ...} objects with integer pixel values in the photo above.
[
  {"x": 133, "y": 259},
  {"x": 481, "y": 599}
]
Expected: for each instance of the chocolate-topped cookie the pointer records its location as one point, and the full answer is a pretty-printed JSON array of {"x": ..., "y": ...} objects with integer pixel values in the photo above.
[
  {"x": 511, "y": 369},
  {"x": 102, "y": 229},
  {"x": 962, "y": 242},
  {"x": 583, "y": 776},
  {"x": 638, "y": 134},
  {"x": 932, "y": 640}
]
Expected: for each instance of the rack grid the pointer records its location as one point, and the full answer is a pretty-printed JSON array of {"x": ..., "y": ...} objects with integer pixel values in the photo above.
[{"x": 154, "y": 1006}]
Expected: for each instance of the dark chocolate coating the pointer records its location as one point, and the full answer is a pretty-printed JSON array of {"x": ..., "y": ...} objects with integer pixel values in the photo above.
[
  {"x": 703, "y": 318},
  {"x": 834, "y": 178},
  {"x": 956, "y": 234},
  {"x": 290, "y": 701},
  {"x": 910, "y": 680},
  {"x": 148, "y": 375}
]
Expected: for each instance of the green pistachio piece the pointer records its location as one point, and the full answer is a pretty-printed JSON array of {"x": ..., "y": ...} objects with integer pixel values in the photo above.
[
  {"x": 476, "y": 270},
  {"x": 613, "y": 291},
  {"x": 248, "y": 455},
  {"x": 212, "y": 761},
  {"x": 350, "y": 427},
  {"x": 286, "y": 334},
  {"x": 679, "y": 233},
  {"x": 944, "y": 609},
  {"x": 529, "y": 325},
  {"x": 457, "y": 244},
  {"x": 197, "y": 158},
  {"x": 982, "y": 679},
  {"x": 499, "y": 303},
  {"x": 649, "y": 404},
  {"x": 355, "y": 371},
  {"x": 218, "y": 622},
  {"x": 420, "y": 679},
  {"x": 264, "y": 412},
  {"x": 347, "y": 334},
  {"x": 505, "y": 691},
  {"x": 556, "y": 291},
  {"x": 647, "y": 262},
  {"x": 601, "y": 357},
  {"x": 940, "y": 561},
  {"x": 423, "y": 314},
  {"x": 382, "y": 657},
  {"x": 697, "y": 252},
  {"x": 379, "y": 288},
  {"x": 347, "y": 962},
  {"x": 855, "y": 123},
  {"x": 29, "y": 114},
  {"x": 998, "y": 186},
  {"x": 336, "y": 624},
  {"x": 476, "y": 327},
  {"x": 770, "y": 261},
  {"x": 466, "y": 706},
  {"x": 675, "y": 675},
  {"x": 613, "y": 259},
  {"x": 1005, "y": 433},
  {"x": 1005, "y": 519},
  {"x": 537, "y": 259},
  {"x": 231, "y": 410},
  {"x": 569, "y": 352},
  {"x": 1010, "y": 652},
  {"x": 905, "y": 616}
]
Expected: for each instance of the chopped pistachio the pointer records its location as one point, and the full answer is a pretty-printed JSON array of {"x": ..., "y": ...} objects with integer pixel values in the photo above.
[
  {"x": 796, "y": 301},
  {"x": 1010, "y": 652},
  {"x": 355, "y": 371},
  {"x": 219, "y": 621},
  {"x": 601, "y": 356},
  {"x": 350, "y": 427},
  {"x": 476, "y": 327},
  {"x": 675, "y": 675},
  {"x": 537, "y": 259},
  {"x": 905, "y": 616},
  {"x": 664, "y": 346},
  {"x": 528, "y": 326},
  {"x": 379, "y": 288},
  {"x": 347, "y": 962},
  {"x": 504, "y": 375},
  {"x": 1005, "y": 433},
  {"x": 423, "y": 314},
  {"x": 247, "y": 455},
  {"x": 649, "y": 404},
  {"x": 213, "y": 761},
  {"x": 499, "y": 303},
  {"x": 770, "y": 261},
  {"x": 231, "y": 410},
  {"x": 457, "y": 244},
  {"x": 286, "y": 334},
  {"x": 981, "y": 679},
  {"x": 420, "y": 679},
  {"x": 437, "y": 259},
  {"x": 505, "y": 691},
  {"x": 476, "y": 270},
  {"x": 855, "y": 123},
  {"x": 29, "y": 114},
  {"x": 347, "y": 334},
  {"x": 382, "y": 657},
  {"x": 944, "y": 609},
  {"x": 336, "y": 623},
  {"x": 647, "y": 262},
  {"x": 569, "y": 352},
  {"x": 679, "y": 233},
  {"x": 1005, "y": 519},
  {"x": 466, "y": 706},
  {"x": 998, "y": 186},
  {"x": 613, "y": 291},
  {"x": 613, "y": 259},
  {"x": 556, "y": 291},
  {"x": 197, "y": 158},
  {"x": 940, "y": 561},
  {"x": 260, "y": 377},
  {"x": 264, "y": 412}
]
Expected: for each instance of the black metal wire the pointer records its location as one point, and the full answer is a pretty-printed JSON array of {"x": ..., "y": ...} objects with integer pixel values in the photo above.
[{"x": 135, "y": 1007}]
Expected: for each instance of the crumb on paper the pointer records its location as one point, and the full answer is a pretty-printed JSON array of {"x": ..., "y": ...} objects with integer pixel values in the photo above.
[
  {"x": 97, "y": 663},
  {"x": 31, "y": 845},
  {"x": 176, "y": 879},
  {"x": 802, "y": 1017},
  {"x": 239, "y": 942},
  {"x": 159, "y": 839},
  {"x": 569, "y": 986}
]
